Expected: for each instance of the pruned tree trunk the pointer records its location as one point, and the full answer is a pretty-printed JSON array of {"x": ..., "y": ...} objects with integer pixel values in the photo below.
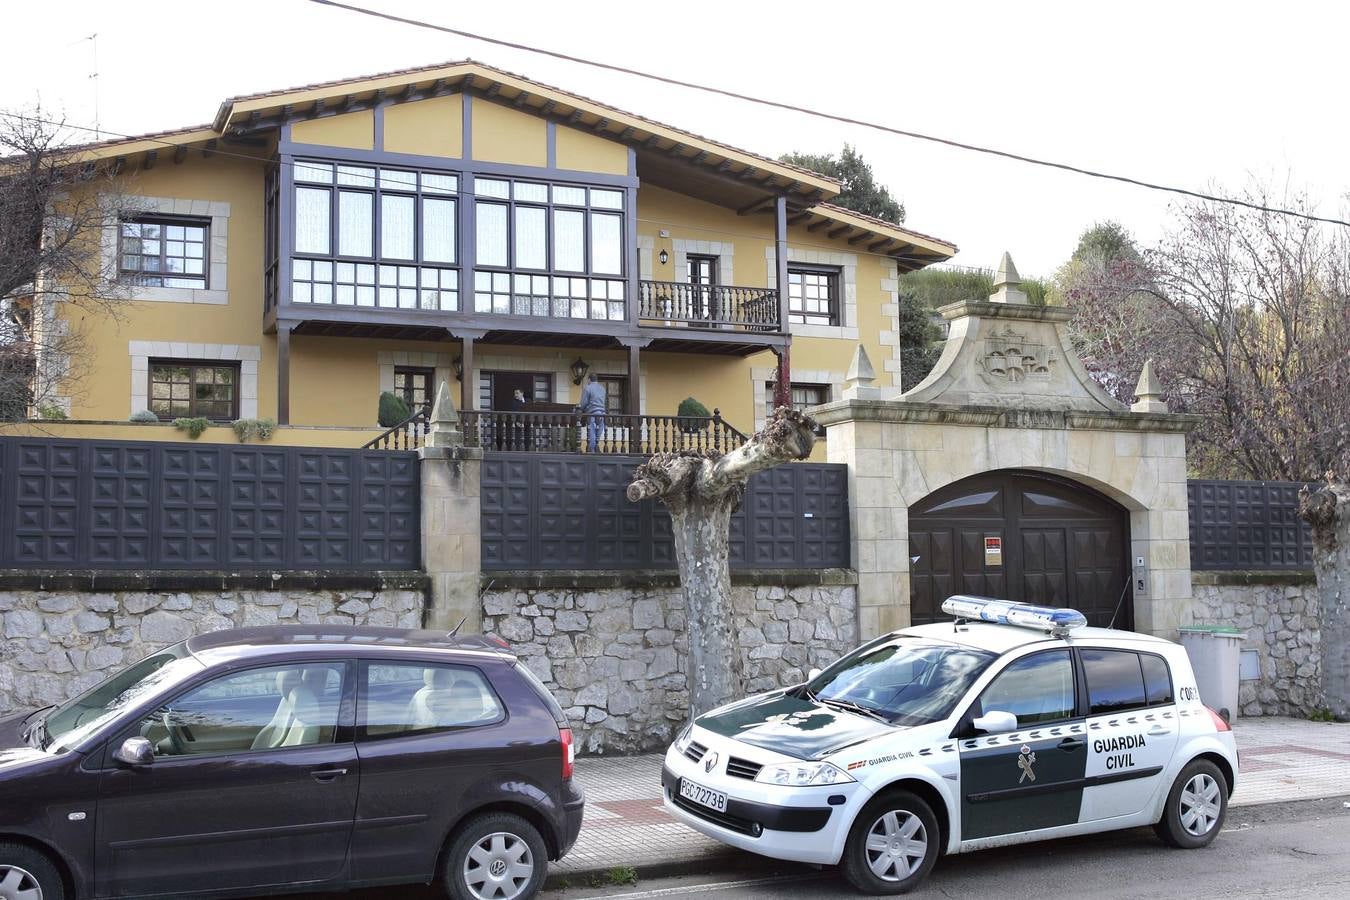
[
  {"x": 702, "y": 489},
  {"x": 1328, "y": 511}
]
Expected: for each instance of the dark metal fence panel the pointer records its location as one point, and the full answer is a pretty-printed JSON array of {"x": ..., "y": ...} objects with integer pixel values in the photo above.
[
  {"x": 89, "y": 504},
  {"x": 1247, "y": 525},
  {"x": 564, "y": 511}
]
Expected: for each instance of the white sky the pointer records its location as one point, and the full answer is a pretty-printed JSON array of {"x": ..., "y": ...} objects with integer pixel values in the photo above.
[{"x": 1185, "y": 93}]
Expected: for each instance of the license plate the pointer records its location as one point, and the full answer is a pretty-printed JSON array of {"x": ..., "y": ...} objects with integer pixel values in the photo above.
[{"x": 703, "y": 796}]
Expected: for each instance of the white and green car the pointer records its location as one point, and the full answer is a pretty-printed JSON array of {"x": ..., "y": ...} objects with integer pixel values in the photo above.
[{"x": 1010, "y": 724}]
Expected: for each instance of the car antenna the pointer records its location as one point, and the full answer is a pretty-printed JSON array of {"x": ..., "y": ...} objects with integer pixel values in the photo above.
[
  {"x": 1119, "y": 603},
  {"x": 454, "y": 630}
]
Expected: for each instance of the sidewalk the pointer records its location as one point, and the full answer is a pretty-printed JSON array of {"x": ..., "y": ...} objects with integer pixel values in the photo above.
[{"x": 625, "y": 825}]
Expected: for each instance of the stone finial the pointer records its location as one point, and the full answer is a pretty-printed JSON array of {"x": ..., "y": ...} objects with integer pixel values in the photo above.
[
  {"x": 1148, "y": 392},
  {"x": 1007, "y": 283},
  {"x": 858, "y": 383},
  {"x": 443, "y": 424}
]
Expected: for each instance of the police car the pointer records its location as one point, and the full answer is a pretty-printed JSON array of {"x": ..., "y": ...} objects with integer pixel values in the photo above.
[{"x": 1013, "y": 723}]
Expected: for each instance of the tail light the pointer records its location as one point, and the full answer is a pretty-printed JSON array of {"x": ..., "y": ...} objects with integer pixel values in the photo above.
[
  {"x": 569, "y": 753},
  {"x": 1220, "y": 720}
]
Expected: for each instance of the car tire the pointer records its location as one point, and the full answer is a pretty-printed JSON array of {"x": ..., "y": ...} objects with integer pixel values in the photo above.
[
  {"x": 1196, "y": 806},
  {"x": 25, "y": 872},
  {"x": 497, "y": 856},
  {"x": 892, "y": 846}
]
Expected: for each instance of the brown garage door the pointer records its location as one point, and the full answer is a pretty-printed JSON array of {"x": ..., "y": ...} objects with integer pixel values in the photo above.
[{"x": 1021, "y": 536}]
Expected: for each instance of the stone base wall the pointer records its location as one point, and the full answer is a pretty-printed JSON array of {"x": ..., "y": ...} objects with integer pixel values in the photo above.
[
  {"x": 614, "y": 656},
  {"x": 1280, "y": 614},
  {"x": 57, "y": 643}
]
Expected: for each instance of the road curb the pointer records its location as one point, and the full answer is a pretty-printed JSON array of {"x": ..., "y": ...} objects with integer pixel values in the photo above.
[{"x": 716, "y": 861}]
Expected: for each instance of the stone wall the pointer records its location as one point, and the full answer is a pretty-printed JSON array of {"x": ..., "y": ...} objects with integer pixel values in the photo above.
[
  {"x": 1279, "y": 611},
  {"x": 58, "y": 642},
  {"x": 614, "y": 655}
]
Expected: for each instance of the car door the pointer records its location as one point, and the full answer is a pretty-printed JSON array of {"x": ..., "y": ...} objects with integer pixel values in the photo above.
[
  {"x": 1132, "y": 730},
  {"x": 1031, "y": 778},
  {"x": 253, "y": 784},
  {"x": 429, "y": 734}
]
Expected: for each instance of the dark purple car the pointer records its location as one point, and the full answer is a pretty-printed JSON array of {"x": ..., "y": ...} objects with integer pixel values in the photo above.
[{"x": 270, "y": 760}]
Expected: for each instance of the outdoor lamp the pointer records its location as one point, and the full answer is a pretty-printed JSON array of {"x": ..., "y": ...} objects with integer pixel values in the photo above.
[
  {"x": 665, "y": 257},
  {"x": 579, "y": 370},
  {"x": 459, "y": 368}
]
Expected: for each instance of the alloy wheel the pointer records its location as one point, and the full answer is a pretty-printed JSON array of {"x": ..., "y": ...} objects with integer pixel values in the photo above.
[
  {"x": 1201, "y": 803},
  {"x": 18, "y": 884},
  {"x": 498, "y": 867},
  {"x": 896, "y": 845}
]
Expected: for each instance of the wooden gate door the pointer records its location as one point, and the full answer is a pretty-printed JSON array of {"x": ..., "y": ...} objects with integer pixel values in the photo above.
[{"x": 1021, "y": 536}]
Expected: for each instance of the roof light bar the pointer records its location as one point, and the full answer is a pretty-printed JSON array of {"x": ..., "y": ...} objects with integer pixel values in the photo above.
[{"x": 1058, "y": 622}]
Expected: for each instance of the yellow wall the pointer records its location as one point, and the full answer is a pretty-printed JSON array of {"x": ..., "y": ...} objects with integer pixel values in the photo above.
[
  {"x": 355, "y": 130},
  {"x": 584, "y": 152},
  {"x": 432, "y": 127},
  {"x": 505, "y": 135}
]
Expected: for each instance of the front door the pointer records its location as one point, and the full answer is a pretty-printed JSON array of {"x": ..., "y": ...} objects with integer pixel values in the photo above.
[
  {"x": 1032, "y": 778},
  {"x": 703, "y": 277},
  {"x": 253, "y": 785}
]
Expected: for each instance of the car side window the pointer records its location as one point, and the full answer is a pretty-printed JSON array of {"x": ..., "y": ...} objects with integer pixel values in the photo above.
[
  {"x": 1037, "y": 688},
  {"x": 1115, "y": 681},
  {"x": 1157, "y": 679},
  {"x": 269, "y": 708},
  {"x": 399, "y": 699}
]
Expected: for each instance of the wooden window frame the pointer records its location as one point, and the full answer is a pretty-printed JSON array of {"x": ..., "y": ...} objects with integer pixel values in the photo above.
[
  {"x": 798, "y": 315},
  {"x": 426, "y": 372},
  {"x": 806, "y": 385},
  {"x": 622, "y": 382},
  {"x": 138, "y": 276},
  {"x": 194, "y": 364}
]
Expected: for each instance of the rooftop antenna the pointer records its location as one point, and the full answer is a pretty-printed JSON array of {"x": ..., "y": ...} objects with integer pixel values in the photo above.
[{"x": 455, "y": 630}]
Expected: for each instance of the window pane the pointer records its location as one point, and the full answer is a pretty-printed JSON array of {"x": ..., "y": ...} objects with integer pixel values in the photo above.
[
  {"x": 319, "y": 172},
  {"x": 396, "y": 227},
  {"x": 570, "y": 196},
  {"x": 355, "y": 224},
  {"x": 259, "y": 709},
  {"x": 491, "y": 233},
  {"x": 406, "y": 698},
  {"x": 1157, "y": 679},
  {"x": 437, "y": 183},
  {"x": 606, "y": 243},
  {"x": 568, "y": 239},
  {"x": 606, "y": 199},
  {"x": 393, "y": 180},
  {"x": 311, "y": 220},
  {"x": 438, "y": 230},
  {"x": 531, "y": 193},
  {"x": 356, "y": 176},
  {"x": 531, "y": 238},
  {"x": 1114, "y": 679},
  {"x": 1035, "y": 689},
  {"x": 492, "y": 187}
]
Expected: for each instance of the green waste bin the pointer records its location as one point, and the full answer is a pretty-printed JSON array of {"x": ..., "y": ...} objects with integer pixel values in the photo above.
[{"x": 1215, "y": 652}]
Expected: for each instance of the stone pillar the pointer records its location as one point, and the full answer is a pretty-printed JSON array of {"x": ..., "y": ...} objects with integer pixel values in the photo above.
[{"x": 451, "y": 524}]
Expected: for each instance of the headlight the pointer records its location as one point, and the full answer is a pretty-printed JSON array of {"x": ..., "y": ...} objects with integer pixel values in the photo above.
[
  {"x": 803, "y": 775},
  {"x": 683, "y": 738}
]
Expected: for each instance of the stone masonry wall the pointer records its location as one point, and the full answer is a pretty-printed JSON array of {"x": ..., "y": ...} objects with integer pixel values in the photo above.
[
  {"x": 1281, "y": 618},
  {"x": 615, "y": 657},
  {"x": 55, "y": 644}
]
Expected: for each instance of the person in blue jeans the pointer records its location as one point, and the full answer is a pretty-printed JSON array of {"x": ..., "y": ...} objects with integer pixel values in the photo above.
[{"x": 592, "y": 406}]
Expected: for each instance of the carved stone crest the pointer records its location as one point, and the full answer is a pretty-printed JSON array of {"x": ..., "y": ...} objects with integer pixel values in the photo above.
[{"x": 1009, "y": 356}]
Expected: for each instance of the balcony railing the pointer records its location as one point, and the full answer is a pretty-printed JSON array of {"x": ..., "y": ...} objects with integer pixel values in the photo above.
[
  {"x": 575, "y": 433},
  {"x": 678, "y": 305},
  {"x": 406, "y": 435}
]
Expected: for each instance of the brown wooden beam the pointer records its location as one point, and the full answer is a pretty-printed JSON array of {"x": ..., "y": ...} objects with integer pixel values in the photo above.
[
  {"x": 880, "y": 245},
  {"x": 494, "y": 89},
  {"x": 118, "y": 165},
  {"x": 859, "y": 239},
  {"x": 284, "y": 372},
  {"x": 759, "y": 204},
  {"x": 842, "y": 229},
  {"x": 521, "y": 99},
  {"x": 179, "y": 154},
  {"x": 798, "y": 218},
  {"x": 210, "y": 149},
  {"x": 151, "y": 157},
  {"x": 468, "y": 386},
  {"x": 816, "y": 226}
]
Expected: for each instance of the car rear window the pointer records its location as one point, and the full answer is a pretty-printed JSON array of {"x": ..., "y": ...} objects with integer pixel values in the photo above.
[
  {"x": 552, "y": 704},
  {"x": 1115, "y": 681},
  {"x": 1157, "y": 679}
]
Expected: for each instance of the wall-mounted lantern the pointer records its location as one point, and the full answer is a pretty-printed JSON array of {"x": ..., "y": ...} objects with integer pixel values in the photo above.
[
  {"x": 579, "y": 370},
  {"x": 665, "y": 257},
  {"x": 459, "y": 368}
]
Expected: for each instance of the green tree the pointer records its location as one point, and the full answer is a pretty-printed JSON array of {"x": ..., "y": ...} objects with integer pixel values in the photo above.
[
  {"x": 860, "y": 193},
  {"x": 920, "y": 340}
]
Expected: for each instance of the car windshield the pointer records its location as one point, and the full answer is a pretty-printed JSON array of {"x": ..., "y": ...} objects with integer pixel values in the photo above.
[
  {"x": 68, "y": 724},
  {"x": 906, "y": 681}
]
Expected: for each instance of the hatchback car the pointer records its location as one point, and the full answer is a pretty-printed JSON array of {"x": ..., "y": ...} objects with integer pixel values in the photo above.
[
  {"x": 1010, "y": 724},
  {"x": 288, "y": 759}
]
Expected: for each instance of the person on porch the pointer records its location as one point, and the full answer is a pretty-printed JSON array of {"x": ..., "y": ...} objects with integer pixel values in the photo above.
[{"x": 592, "y": 406}]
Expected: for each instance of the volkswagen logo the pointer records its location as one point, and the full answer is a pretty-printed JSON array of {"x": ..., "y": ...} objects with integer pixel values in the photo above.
[
  {"x": 710, "y": 761},
  {"x": 498, "y": 868}
]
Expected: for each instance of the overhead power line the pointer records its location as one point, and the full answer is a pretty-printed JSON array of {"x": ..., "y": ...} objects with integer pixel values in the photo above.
[{"x": 833, "y": 117}]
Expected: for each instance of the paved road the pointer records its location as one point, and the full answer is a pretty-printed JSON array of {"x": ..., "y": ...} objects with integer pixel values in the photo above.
[{"x": 1293, "y": 850}]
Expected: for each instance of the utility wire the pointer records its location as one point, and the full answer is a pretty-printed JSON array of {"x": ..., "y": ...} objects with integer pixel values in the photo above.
[{"x": 846, "y": 120}]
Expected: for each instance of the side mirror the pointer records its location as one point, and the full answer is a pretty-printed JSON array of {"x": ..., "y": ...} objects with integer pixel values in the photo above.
[
  {"x": 811, "y": 675},
  {"x": 136, "y": 751},
  {"x": 995, "y": 722}
]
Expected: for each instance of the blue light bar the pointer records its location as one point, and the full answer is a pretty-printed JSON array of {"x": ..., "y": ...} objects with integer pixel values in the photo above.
[{"x": 1003, "y": 612}]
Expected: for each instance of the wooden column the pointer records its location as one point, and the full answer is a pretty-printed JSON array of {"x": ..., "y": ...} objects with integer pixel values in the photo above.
[
  {"x": 284, "y": 372},
  {"x": 467, "y": 382},
  {"x": 782, "y": 385},
  {"x": 782, "y": 391},
  {"x": 635, "y": 397}
]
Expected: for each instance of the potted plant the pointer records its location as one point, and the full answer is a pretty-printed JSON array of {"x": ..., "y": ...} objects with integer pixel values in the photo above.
[
  {"x": 693, "y": 416},
  {"x": 393, "y": 410}
]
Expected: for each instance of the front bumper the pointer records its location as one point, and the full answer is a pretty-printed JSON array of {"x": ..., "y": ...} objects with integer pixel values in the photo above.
[{"x": 747, "y": 816}]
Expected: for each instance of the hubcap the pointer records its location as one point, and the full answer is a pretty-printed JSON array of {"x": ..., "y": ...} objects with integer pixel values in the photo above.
[
  {"x": 1200, "y": 805},
  {"x": 498, "y": 867},
  {"x": 18, "y": 884},
  {"x": 896, "y": 845}
]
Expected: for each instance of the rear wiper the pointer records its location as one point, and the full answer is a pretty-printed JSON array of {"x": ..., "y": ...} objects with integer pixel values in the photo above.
[{"x": 857, "y": 708}]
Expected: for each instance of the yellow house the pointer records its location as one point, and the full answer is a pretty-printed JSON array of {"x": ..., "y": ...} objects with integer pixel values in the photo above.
[{"x": 316, "y": 246}]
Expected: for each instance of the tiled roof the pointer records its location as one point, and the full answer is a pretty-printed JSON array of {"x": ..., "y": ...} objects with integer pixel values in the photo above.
[{"x": 834, "y": 208}]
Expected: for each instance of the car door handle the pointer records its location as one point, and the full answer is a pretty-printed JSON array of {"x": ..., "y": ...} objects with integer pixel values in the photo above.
[
  {"x": 1072, "y": 744},
  {"x": 324, "y": 776},
  {"x": 1159, "y": 731}
]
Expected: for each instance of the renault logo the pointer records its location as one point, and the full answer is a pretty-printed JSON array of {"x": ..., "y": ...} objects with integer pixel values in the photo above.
[{"x": 710, "y": 761}]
